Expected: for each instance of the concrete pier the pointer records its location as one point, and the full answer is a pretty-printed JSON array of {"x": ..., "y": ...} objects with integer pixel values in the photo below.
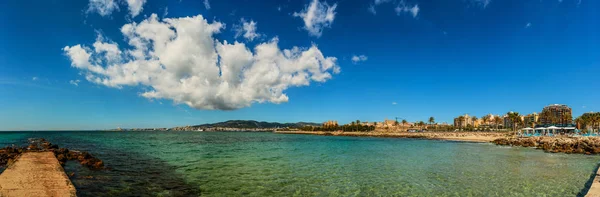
[
  {"x": 36, "y": 174},
  {"x": 595, "y": 188}
]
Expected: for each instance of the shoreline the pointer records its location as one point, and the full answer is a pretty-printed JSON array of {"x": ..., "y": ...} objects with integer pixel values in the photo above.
[
  {"x": 569, "y": 145},
  {"x": 479, "y": 137}
]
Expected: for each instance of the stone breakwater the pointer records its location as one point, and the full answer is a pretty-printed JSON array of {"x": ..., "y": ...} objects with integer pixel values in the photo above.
[
  {"x": 10, "y": 153},
  {"x": 580, "y": 145}
]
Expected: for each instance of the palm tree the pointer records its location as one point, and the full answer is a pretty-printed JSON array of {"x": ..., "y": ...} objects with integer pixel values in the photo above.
[
  {"x": 431, "y": 120},
  {"x": 404, "y": 122},
  {"x": 485, "y": 119},
  {"x": 579, "y": 122},
  {"x": 474, "y": 119},
  {"x": 497, "y": 121},
  {"x": 514, "y": 118}
]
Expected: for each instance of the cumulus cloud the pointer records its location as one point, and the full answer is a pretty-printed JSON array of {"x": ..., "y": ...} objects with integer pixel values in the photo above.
[
  {"x": 102, "y": 7},
  {"x": 74, "y": 82},
  {"x": 207, "y": 4},
  {"x": 403, "y": 8},
  {"x": 135, "y": 6},
  {"x": 246, "y": 29},
  {"x": 358, "y": 58},
  {"x": 106, "y": 7},
  {"x": 394, "y": 103},
  {"x": 527, "y": 25},
  {"x": 34, "y": 79},
  {"x": 179, "y": 59},
  {"x": 317, "y": 16}
]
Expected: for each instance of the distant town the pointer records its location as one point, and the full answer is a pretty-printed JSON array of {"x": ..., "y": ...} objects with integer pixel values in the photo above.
[{"x": 557, "y": 116}]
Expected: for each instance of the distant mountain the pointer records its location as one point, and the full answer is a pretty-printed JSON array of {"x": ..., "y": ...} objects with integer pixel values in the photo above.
[{"x": 252, "y": 124}]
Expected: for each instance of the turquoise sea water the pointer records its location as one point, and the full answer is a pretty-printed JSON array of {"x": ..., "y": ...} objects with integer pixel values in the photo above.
[{"x": 267, "y": 164}]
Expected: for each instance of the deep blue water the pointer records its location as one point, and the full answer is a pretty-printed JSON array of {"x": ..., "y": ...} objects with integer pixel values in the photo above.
[{"x": 267, "y": 164}]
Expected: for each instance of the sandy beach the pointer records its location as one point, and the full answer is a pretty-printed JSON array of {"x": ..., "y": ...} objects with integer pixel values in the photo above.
[{"x": 452, "y": 136}]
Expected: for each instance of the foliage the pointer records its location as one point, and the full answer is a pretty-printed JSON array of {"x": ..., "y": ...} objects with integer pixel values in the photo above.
[{"x": 354, "y": 126}]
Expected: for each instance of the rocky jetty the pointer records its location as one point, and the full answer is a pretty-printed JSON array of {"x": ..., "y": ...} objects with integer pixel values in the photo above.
[
  {"x": 581, "y": 145},
  {"x": 10, "y": 153}
]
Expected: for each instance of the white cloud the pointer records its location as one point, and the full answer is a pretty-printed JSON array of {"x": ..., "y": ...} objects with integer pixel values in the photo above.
[
  {"x": 135, "y": 6},
  {"x": 403, "y": 8},
  {"x": 377, "y": 2},
  {"x": 207, "y": 4},
  {"x": 481, "y": 3},
  {"x": 247, "y": 29},
  {"x": 374, "y": 4},
  {"x": 102, "y": 7},
  {"x": 179, "y": 59},
  {"x": 34, "y": 79},
  {"x": 527, "y": 25},
  {"x": 394, "y": 103},
  {"x": 74, "y": 82},
  {"x": 317, "y": 16},
  {"x": 109, "y": 50},
  {"x": 358, "y": 58},
  {"x": 372, "y": 9}
]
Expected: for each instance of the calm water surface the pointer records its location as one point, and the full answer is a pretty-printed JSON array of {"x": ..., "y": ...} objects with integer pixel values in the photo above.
[{"x": 266, "y": 164}]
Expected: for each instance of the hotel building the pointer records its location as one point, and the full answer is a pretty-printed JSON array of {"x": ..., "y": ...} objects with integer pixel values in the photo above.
[{"x": 556, "y": 115}]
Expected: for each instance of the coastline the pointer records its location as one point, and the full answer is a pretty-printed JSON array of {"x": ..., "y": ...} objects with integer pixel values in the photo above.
[
  {"x": 570, "y": 145},
  {"x": 482, "y": 137}
]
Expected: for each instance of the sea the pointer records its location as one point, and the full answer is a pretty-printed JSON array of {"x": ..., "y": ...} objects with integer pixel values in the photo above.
[{"x": 188, "y": 163}]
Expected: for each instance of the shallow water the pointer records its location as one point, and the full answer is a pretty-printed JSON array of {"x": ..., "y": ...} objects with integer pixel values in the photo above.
[{"x": 267, "y": 164}]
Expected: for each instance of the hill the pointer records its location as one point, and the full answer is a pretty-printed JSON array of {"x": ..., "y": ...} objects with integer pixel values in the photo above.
[{"x": 252, "y": 124}]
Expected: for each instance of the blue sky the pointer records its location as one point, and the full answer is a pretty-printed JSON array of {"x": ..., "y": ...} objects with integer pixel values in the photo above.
[{"x": 420, "y": 58}]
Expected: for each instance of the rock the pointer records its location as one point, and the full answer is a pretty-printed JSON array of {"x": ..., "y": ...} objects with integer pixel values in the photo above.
[
  {"x": 9, "y": 154},
  {"x": 555, "y": 144},
  {"x": 98, "y": 165},
  {"x": 32, "y": 147},
  {"x": 61, "y": 159}
]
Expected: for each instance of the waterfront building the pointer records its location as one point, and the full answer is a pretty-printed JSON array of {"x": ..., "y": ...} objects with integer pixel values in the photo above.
[
  {"x": 389, "y": 123},
  {"x": 330, "y": 123},
  {"x": 367, "y": 123},
  {"x": 531, "y": 119},
  {"x": 556, "y": 114},
  {"x": 466, "y": 120}
]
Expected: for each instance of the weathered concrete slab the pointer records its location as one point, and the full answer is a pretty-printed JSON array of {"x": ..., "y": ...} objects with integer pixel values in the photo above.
[
  {"x": 36, "y": 174},
  {"x": 595, "y": 188}
]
